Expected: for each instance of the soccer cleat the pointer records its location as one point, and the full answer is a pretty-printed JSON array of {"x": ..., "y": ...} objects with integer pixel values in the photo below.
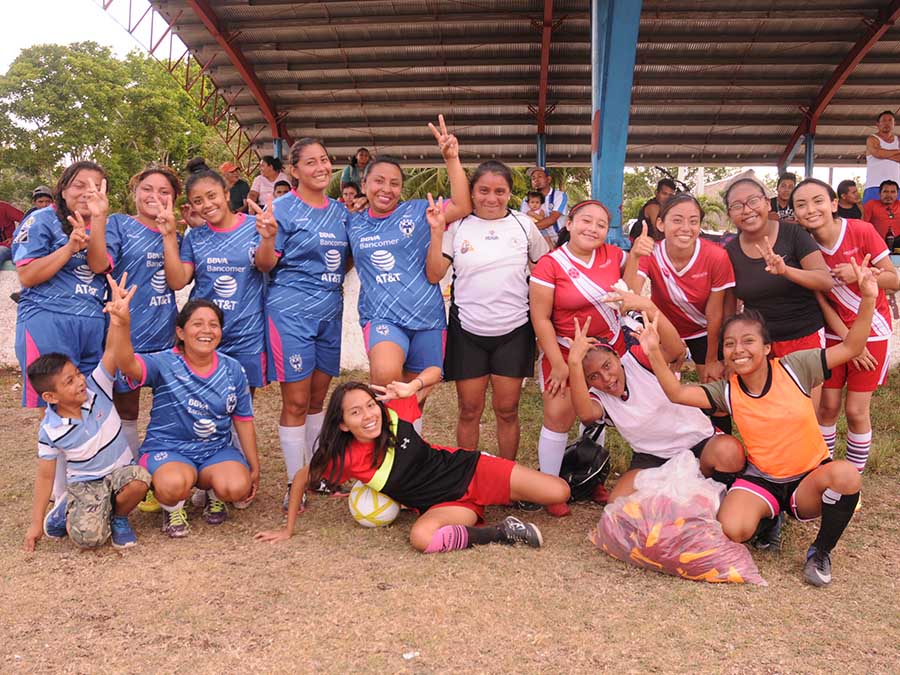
[
  {"x": 175, "y": 523},
  {"x": 558, "y": 510},
  {"x": 199, "y": 498},
  {"x": 768, "y": 534},
  {"x": 149, "y": 505},
  {"x": 818, "y": 567},
  {"x": 55, "y": 520},
  {"x": 215, "y": 512},
  {"x": 122, "y": 534},
  {"x": 514, "y": 531},
  {"x": 527, "y": 506}
]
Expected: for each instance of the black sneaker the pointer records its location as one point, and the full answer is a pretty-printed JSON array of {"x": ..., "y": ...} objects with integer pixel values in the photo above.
[
  {"x": 15, "y": 296},
  {"x": 768, "y": 534},
  {"x": 818, "y": 568},
  {"x": 527, "y": 506},
  {"x": 517, "y": 532}
]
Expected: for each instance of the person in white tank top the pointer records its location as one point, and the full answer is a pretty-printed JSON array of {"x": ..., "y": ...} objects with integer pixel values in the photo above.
[
  {"x": 882, "y": 156},
  {"x": 627, "y": 394}
]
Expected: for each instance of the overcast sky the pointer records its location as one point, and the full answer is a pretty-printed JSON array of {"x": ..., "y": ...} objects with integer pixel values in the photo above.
[{"x": 29, "y": 22}]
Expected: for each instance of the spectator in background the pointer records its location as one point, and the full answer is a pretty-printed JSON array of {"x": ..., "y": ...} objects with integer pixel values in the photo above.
[
  {"x": 883, "y": 213},
  {"x": 535, "y": 201},
  {"x": 349, "y": 193},
  {"x": 354, "y": 171},
  {"x": 282, "y": 187},
  {"x": 41, "y": 197},
  {"x": 848, "y": 200},
  {"x": 882, "y": 157},
  {"x": 555, "y": 207},
  {"x": 263, "y": 188},
  {"x": 10, "y": 216},
  {"x": 781, "y": 202},
  {"x": 649, "y": 213},
  {"x": 238, "y": 189}
]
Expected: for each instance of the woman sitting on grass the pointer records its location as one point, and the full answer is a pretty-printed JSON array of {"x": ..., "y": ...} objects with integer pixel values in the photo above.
[
  {"x": 788, "y": 464},
  {"x": 364, "y": 439}
]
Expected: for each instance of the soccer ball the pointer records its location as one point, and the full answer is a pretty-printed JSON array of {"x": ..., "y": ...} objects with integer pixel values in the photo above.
[{"x": 370, "y": 508}]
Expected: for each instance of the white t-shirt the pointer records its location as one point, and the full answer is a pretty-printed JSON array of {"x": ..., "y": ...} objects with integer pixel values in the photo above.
[
  {"x": 266, "y": 187},
  {"x": 490, "y": 270},
  {"x": 555, "y": 200},
  {"x": 648, "y": 421}
]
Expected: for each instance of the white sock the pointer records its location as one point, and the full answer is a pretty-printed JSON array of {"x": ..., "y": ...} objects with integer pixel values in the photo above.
[
  {"x": 829, "y": 433},
  {"x": 858, "y": 449},
  {"x": 211, "y": 495},
  {"x": 313, "y": 429},
  {"x": 293, "y": 447},
  {"x": 551, "y": 448},
  {"x": 166, "y": 507},
  {"x": 59, "y": 480},
  {"x": 129, "y": 429},
  {"x": 417, "y": 425},
  {"x": 581, "y": 429}
]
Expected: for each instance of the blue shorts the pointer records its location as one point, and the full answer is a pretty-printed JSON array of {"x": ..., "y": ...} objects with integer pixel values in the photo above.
[
  {"x": 421, "y": 348},
  {"x": 81, "y": 338},
  {"x": 254, "y": 366},
  {"x": 299, "y": 345},
  {"x": 154, "y": 459},
  {"x": 871, "y": 193}
]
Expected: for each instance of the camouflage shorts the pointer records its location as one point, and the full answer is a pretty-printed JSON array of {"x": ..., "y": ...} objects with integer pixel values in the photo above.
[{"x": 91, "y": 504}]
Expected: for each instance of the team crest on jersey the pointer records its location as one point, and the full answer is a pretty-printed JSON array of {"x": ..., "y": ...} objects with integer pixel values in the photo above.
[
  {"x": 574, "y": 273},
  {"x": 296, "y": 362},
  {"x": 22, "y": 237},
  {"x": 491, "y": 235},
  {"x": 407, "y": 226},
  {"x": 665, "y": 272},
  {"x": 251, "y": 255},
  {"x": 382, "y": 330},
  {"x": 466, "y": 246},
  {"x": 160, "y": 456},
  {"x": 230, "y": 403}
]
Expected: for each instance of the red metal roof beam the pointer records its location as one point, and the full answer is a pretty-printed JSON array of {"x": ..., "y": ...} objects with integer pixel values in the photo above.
[
  {"x": 207, "y": 16},
  {"x": 546, "y": 32},
  {"x": 886, "y": 18}
]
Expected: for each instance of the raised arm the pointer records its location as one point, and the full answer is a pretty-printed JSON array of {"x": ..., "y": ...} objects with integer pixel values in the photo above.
[
  {"x": 436, "y": 264},
  {"x": 684, "y": 394},
  {"x": 671, "y": 344},
  {"x": 855, "y": 340},
  {"x": 119, "y": 350},
  {"x": 98, "y": 205},
  {"x": 460, "y": 195},
  {"x": 642, "y": 247},
  {"x": 587, "y": 409},
  {"x": 178, "y": 273},
  {"x": 267, "y": 226}
]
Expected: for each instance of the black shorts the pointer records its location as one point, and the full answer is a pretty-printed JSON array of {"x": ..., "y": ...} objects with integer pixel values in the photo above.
[
  {"x": 469, "y": 356},
  {"x": 641, "y": 460},
  {"x": 697, "y": 347},
  {"x": 778, "y": 496}
]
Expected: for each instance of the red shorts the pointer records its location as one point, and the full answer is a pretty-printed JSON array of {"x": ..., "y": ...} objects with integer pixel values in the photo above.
[
  {"x": 489, "y": 485},
  {"x": 545, "y": 367},
  {"x": 812, "y": 341},
  {"x": 861, "y": 380}
]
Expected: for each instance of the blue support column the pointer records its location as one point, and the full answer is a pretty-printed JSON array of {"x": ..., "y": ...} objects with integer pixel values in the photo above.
[
  {"x": 809, "y": 155},
  {"x": 541, "y": 146},
  {"x": 614, "y": 32},
  {"x": 277, "y": 148}
]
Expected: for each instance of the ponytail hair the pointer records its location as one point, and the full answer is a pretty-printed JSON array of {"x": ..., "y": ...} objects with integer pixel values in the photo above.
[{"x": 197, "y": 171}]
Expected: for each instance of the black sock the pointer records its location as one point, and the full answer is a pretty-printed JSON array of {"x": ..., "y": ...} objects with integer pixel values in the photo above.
[
  {"x": 723, "y": 477},
  {"x": 723, "y": 423},
  {"x": 484, "y": 535},
  {"x": 837, "y": 510}
]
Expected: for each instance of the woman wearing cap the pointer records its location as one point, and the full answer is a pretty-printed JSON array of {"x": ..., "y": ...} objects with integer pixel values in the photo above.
[
  {"x": 355, "y": 170},
  {"x": 238, "y": 189},
  {"x": 490, "y": 338},
  {"x": 572, "y": 282}
]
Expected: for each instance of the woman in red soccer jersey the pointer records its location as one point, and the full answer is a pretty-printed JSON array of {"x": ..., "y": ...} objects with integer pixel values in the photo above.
[
  {"x": 571, "y": 282},
  {"x": 688, "y": 279},
  {"x": 840, "y": 240},
  {"x": 364, "y": 439}
]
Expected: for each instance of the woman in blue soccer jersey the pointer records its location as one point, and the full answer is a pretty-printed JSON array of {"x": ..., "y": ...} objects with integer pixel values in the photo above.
[
  {"x": 61, "y": 309},
  {"x": 199, "y": 393},
  {"x": 307, "y": 253},
  {"x": 134, "y": 244},
  {"x": 402, "y": 314},
  {"x": 219, "y": 257}
]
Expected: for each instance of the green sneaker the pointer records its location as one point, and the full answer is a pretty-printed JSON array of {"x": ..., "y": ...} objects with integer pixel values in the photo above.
[
  {"x": 175, "y": 523},
  {"x": 215, "y": 512}
]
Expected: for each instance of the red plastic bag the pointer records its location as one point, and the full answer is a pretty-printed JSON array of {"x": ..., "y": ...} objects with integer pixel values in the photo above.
[{"x": 669, "y": 525}]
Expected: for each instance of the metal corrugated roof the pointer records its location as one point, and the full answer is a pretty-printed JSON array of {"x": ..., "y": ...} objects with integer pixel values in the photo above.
[{"x": 715, "y": 82}]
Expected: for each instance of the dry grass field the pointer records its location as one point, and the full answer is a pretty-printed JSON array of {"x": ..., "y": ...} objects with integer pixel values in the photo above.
[{"x": 337, "y": 598}]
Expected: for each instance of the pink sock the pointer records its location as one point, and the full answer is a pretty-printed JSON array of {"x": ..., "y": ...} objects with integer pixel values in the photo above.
[{"x": 448, "y": 538}]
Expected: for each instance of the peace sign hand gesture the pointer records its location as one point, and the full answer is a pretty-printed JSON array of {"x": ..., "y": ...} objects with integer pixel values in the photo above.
[
  {"x": 865, "y": 279},
  {"x": 774, "y": 263},
  {"x": 266, "y": 224},
  {"x": 97, "y": 201},
  {"x": 78, "y": 237},
  {"x": 581, "y": 344},
  {"x": 165, "y": 219},
  {"x": 435, "y": 216},
  {"x": 120, "y": 298},
  {"x": 446, "y": 141},
  {"x": 648, "y": 336}
]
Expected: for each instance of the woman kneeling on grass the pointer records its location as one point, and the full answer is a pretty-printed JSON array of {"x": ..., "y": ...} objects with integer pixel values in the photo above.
[
  {"x": 788, "y": 466},
  {"x": 364, "y": 439}
]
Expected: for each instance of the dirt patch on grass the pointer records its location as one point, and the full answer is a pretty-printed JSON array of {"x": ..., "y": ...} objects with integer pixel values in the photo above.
[{"x": 340, "y": 598}]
